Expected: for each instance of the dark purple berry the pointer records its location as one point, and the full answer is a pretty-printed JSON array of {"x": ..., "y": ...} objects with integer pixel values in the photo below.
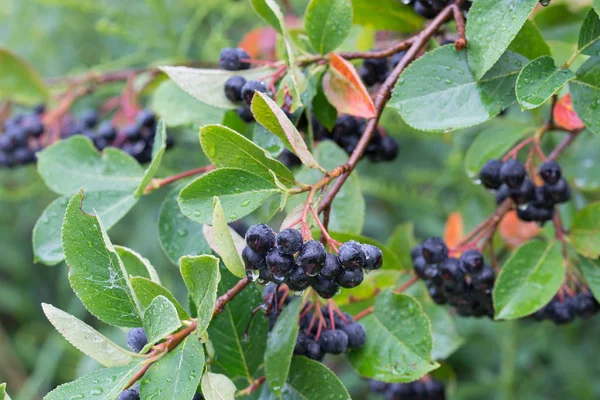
[
  {"x": 434, "y": 250},
  {"x": 250, "y": 87},
  {"x": 136, "y": 339},
  {"x": 89, "y": 118},
  {"x": 233, "y": 88},
  {"x": 352, "y": 255},
  {"x": 485, "y": 278},
  {"x": 550, "y": 172},
  {"x": 107, "y": 131},
  {"x": 512, "y": 173},
  {"x": 313, "y": 350},
  {"x": 289, "y": 241},
  {"x": 260, "y": 238},
  {"x": 374, "y": 257},
  {"x": 452, "y": 270},
  {"x": 357, "y": 336},
  {"x": 145, "y": 119},
  {"x": 524, "y": 193},
  {"x": 332, "y": 267},
  {"x": 297, "y": 279},
  {"x": 502, "y": 194},
  {"x": 560, "y": 192},
  {"x": 279, "y": 264},
  {"x": 326, "y": 288},
  {"x": 312, "y": 257},
  {"x": 129, "y": 394},
  {"x": 234, "y": 59},
  {"x": 490, "y": 174},
  {"x": 472, "y": 261},
  {"x": 350, "y": 278},
  {"x": 245, "y": 114},
  {"x": 334, "y": 341},
  {"x": 252, "y": 259}
]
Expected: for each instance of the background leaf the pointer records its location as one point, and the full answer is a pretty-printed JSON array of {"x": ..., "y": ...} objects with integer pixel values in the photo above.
[
  {"x": 591, "y": 273},
  {"x": 19, "y": 81},
  {"x": 585, "y": 231},
  {"x": 539, "y": 80},
  {"x": 585, "y": 93},
  {"x": 589, "y": 36},
  {"x": 201, "y": 276},
  {"x": 328, "y": 23},
  {"x": 147, "y": 290},
  {"x": 386, "y": 15},
  {"x": 530, "y": 42},
  {"x": 224, "y": 242},
  {"x": 217, "y": 387},
  {"x": 136, "y": 265}
]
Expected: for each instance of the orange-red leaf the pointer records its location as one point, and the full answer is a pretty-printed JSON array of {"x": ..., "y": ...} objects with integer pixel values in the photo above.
[
  {"x": 565, "y": 116},
  {"x": 454, "y": 230},
  {"x": 260, "y": 43},
  {"x": 515, "y": 232},
  {"x": 345, "y": 91}
]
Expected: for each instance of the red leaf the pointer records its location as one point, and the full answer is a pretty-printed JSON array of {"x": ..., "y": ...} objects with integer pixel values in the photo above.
[
  {"x": 565, "y": 116},
  {"x": 345, "y": 91},
  {"x": 515, "y": 232},
  {"x": 454, "y": 230},
  {"x": 260, "y": 43}
]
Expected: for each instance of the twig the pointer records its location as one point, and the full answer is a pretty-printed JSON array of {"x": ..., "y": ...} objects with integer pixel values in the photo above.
[
  {"x": 461, "y": 42},
  {"x": 230, "y": 294},
  {"x": 253, "y": 387},
  {"x": 407, "y": 284},
  {"x": 158, "y": 183},
  {"x": 364, "y": 313},
  {"x": 563, "y": 145}
]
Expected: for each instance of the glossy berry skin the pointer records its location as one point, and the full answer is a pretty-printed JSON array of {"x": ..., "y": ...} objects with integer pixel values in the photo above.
[
  {"x": 420, "y": 266},
  {"x": 145, "y": 119},
  {"x": 434, "y": 250},
  {"x": 352, "y": 255},
  {"x": 416, "y": 252},
  {"x": 550, "y": 172},
  {"x": 245, "y": 114},
  {"x": 334, "y": 341},
  {"x": 357, "y": 337},
  {"x": 332, "y": 267},
  {"x": 485, "y": 279},
  {"x": 252, "y": 259},
  {"x": 136, "y": 339},
  {"x": 560, "y": 192},
  {"x": 472, "y": 260},
  {"x": 312, "y": 257},
  {"x": 129, "y": 394},
  {"x": 314, "y": 351},
  {"x": 289, "y": 241},
  {"x": 490, "y": 174},
  {"x": 89, "y": 118},
  {"x": 374, "y": 257},
  {"x": 250, "y": 87},
  {"x": 260, "y": 238},
  {"x": 437, "y": 296},
  {"x": 233, "y": 88},
  {"x": 451, "y": 270},
  {"x": 298, "y": 280},
  {"x": 326, "y": 288},
  {"x": 524, "y": 193},
  {"x": 279, "y": 264},
  {"x": 230, "y": 59},
  {"x": 512, "y": 173},
  {"x": 502, "y": 194},
  {"x": 350, "y": 278}
]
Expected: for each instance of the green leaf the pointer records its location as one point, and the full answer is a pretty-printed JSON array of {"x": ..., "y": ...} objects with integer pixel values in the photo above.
[
  {"x": 97, "y": 274},
  {"x": 217, "y": 387},
  {"x": 265, "y": 139},
  {"x": 178, "y": 108},
  {"x": 19, "y": 81},
  {"x": 280, "y": 346},
  {"x": 591, "y": 273},
  {"x": 446, "y": 339},
  {"x": 235, "y": 355},
  {"x": 272, "y": 117},
  {"x": 179, "y": 235},
  {"x": 206, "y": 85},
  {"x": 442, "y": 80},
  {"x": 390, "y": 257},
  {"x": 201, "y": 276},
  {"x": 327, "y": 23},
  {"x": 401, "y": 243},
  {"x": 160, "y": 319},
  {"x": 530, "y": 42},
  {"x": 3, "y": 394},
  {"x": 265, "y": 11},
  {"x": 580, "y": 160},
  {"x": 86, "y": 339},
  {"x": 585, "y": 231},
  {"x": 239, "y": 191},
  {"x": 491, "y": 27},
  {"x": 596, "y": 4},
  {"x": 177, "y": 375},
  {"x": 68, "y": 165},
  {"x": 589, "y": 36},
  {"x": 386, "y": 15},
  {"x": 585, "y": 93},
  {"x": 147, "y": 290},
  {"x": 102, "y": 384},
  {"x": 136, "y": 265},
  {"x": 494, "y": 142},
  {"x": 528, "y": 280},
  {"x": 539, "y": 80},
  {"x": 323, "y": 110},
  {"x": 399, "y": 341},
  {"x": 238, "y": 241},
  {"x": 224, "y": 242},
  {"x": 227, "y": 148},
  {"x": 158, "y": 150}
]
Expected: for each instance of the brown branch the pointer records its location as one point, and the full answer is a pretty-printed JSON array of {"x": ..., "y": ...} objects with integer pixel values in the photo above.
[
  {"x": 230, "y": 294},
  {"x": 461, "y": 42},
  {"x": 364, "y": 313},
  {"x": 255, "y": 385},
  {"x": 158, "y": 183},
  {"x": 563, "y": 145}
]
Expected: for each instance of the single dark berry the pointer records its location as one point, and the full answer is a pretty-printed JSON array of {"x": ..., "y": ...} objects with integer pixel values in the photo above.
[
  {"x": 513, "y": 173},
  {"x": 352, "y": 255},
  {"x": 437, "y": 295},
  {"x": 313, "y": 350},
  {"x": 502, "y": 194},
  {"x": 17, "y": 137},
  {"x": 289, "y": 241},
  {"x": 107, "y": 131},
  {"x": 289, "y": 159},
  {"x": 550, "y": 172},
  {"x": 129, "y": 394},
  {"x": 39, "y": 109},
  {"x": 424, "y": 10},
  {"x": 332, "y": 267},
  {"x": 541, "y": 198},
  {"x": 312, "y": 257},
  {"x": 490, "y": 174},
  {"x": 452, "y": 270},
  {"x": 234, "y": 59},
  {"x": 250, "y": 87},
  {"x": 350, "y": 278},
  {"x": 527, "y": 213},
  {"x": 279, "y": 264},
  {"x": 420, "y": 266},
  {"x": 416, "y": 252},
  {"x": 326, "y": 288},
  {"x": 485, "y": 278},
  {"x": 357, "y": 336},
  {"x": 434, "y": 250},
  {"x": 334, "y": 341},
  {"x": 132, "y": 132},
  {"x": 136, "y": 339},
  {"x": 6, "y": 143},
  {"x": 472, "y": 261},
  {"x": 368, "y": 77},
  {"x": 298, "y": 280},
  {"x": 560, "y": 192},
  {"x": 346, "y": 125},
  {"x": 233, "y": 88},
  {"x": 524, "y": 193},
  {"x": 585, "y": 305},
  {"x": 23, "y": 156},
  {"x": 89, "y": 118},
  {"x": 561, "y": 313},
  {"x": 374, "y": 257},
  {"x": 245, "y": 114},
  {"x": 260, "y": 238},
  {"x": 145, "y": 119},
  {"x": 198, "y": 396},
  {"x": 33, "y": 126},
  {"x": 396, "y": 58},
  {"x": 252, "y": 259},
  {"x": 378, "y": 386},
  {"x": 388, "y": 149},
  {"x": 301, "y": 342}
]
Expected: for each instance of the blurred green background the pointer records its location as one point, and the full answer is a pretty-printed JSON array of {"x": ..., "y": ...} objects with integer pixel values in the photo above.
[{"x": 516, "y": 360}]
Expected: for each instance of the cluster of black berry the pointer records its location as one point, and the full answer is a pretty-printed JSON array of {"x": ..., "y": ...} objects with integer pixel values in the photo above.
[
  {"x": 536, "y": 203},
  {"x": 376, "y": 70},
  {"x": 564, "y": 309},
  {"x": 424, "y": 389},
  {"x": 465, "y": 283},
  {"x": 431, "y": 8},
  {"x": 18, "y": 142},
  {"x": 286, "y": 258}
]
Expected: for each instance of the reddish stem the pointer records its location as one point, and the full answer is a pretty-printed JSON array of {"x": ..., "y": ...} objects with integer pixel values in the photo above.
[{"x": 158, "y": 183}]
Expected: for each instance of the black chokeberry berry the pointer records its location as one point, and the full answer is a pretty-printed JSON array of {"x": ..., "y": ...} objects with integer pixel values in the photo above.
[
  {"x": 513, "y": 173},
  {"x": 374, "y": 257},
  {"x": 388, "y": 149},
  {"x": 350, "y": 278},
  {"x": 560, "y": 192},
  {"x": 561, "y": 312},
  {"x": 452, "y": 270},
  {"x": 333, "y": 341},
  {"x": 233, "y": 88},
  {"x": 250, "y": 87},
  {"x": 279, "y": 264},
  {"x": 332, "y": 267},
  {"x": 33, "y": 126},
  {"x": 245, "y": 114},
  {"x": 145, "y": 119},
  {"x": 89, "y": 118},
  {"x": 524, "y": 193},
  {"x": 129, "y": 394},
  {"x": 289, "y": 241},
  {"x": 312, "y": 257},
  {"x": 485, "y": 278},
  {"x": 313, "y": 350},
  {"x": 434, "y": 250},
  {"x": 416, "y": 252},
  {"x": 550, "y": 172},
  {"x": 132, "y": 132},
  {"x": 326, "y": 288},
  {"x": 437, "y": 295},
  {"x": 352, "y": 255},
  {"x": 198, "y": 396},
  {"x": 297, "y": 279},
  {"x": 234, "y": 59},
  {"x": 136, "y": 339},
  {"x": 357, "y": 336},
  {"x": 260, "y": 238},
  {"x": 472, "y": 261},
  {"x": 502, "y": 194},
  {"x": 252, "y": 259},
  {"x": 585, "y": 305},
  {"x": 107, "y": 131}
]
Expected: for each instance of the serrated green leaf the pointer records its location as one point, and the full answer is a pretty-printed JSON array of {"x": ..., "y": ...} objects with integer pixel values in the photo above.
[
  {"x": 327, "y": 23},
  {"x": 539, "y": 80},
  {"x": 491, "y": 27},
  {"x": 442, "y": 80},
  {"x": 446, "y": 339},
  {"x": 280, "y": 346},
  {"x": 102, "y": 384},
  {"x": 591, "y": 273},
  {"x": 207, "y": 85},
  {"x": 224, "y": 242},
  {"x": 160, "y": 319},
  {"x": 201, "y": 276},
  {"x": 399, "y": 341},
  {"x": 177, "y": 375},
  {"x": 310, "y": 379},
  {"x": 401, "y": 243},
  {"x": 179, "y": 235},
  {"x": 589, "y": 36},
  {"x": 272, "y": 117},
  {"x": 530, "y": 42},
  {"x": 227, "y": 148},
  {"x": 136, "y": 265},
  {"x": 493, "y": 142},
  {"x": 585, "y": 231},
  {"x": 97, "y": 274},
  {"x": 19, "y": 81},
  {"x": 147, "y": 290},
  {"x": 263, "y": 9},
  {"x": 528, "y": 280},
  {"x": 217, "y": 387},
  {"x": 235, "y": 355},
  {"x": 86, "y": 339},
  {"x": 585, "y": 94},
  {"x": 386, "y": 15},
  {"x": 239, "y": 191},
  {"x": 158, "y": 150}
]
